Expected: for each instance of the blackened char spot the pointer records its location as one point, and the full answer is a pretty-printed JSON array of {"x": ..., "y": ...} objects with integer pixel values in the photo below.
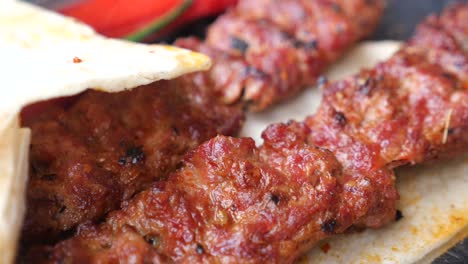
[
  {"x": 313, "y": 44},
  {"x": 321, "y": 81},
  {"x": 340, "y": 118},
  {"x": 62, "y": 209},
  {"x": 122, "y": 161},
  {"x": 106, "y": 245},
  {"x": 133, "y": 155},
  {"x": 175, "y": 130},
  {"x": 448, "y": 76},
  {"x": 59, "y": 204},
  {"x": 254, "y": 72},
  {"x": 366, "y": 85},
  {"x": 310, "y": 45},
  {"x": 329, "y": 226},
  {"x": 275, "y": 199},
  {"x": 179, "y": 165},
  {"x": 239, "y": 44},
  {"x": 398, "y": 215},
  {"x": 152, "y": 240},
  {"x": 200, "y": 249},
  {"x": 49, "y": 177}
]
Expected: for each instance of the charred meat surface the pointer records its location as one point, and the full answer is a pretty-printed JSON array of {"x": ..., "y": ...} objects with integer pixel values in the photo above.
[
  {"x": 88, "y": 157},
  {"x": 266, "y": 51},
  {"x": 411, "y": 108},
  {"x": 226, "y": 203},
  {"x": 234, "y": 202}
]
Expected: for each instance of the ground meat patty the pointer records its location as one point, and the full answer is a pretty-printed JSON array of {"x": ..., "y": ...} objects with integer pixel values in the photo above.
[
  {"x": 88, "y": 157},
  {"x": 279, "y": 47}
]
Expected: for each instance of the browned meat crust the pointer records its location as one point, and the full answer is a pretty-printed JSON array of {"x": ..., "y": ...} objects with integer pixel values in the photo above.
[
  {"x": 236, "y": 203},
  {"x": 409, "y": 109},
  {"x": 233, "y": 202},
  {"x": 116, "y": 156},
  {"x": 123, "y": 142},
  {"x": 279, "y": 47},
  {"x": 88, "y": 158},
  {"x": 412, "y": 107},
  {"x": 227, "y": 203}
]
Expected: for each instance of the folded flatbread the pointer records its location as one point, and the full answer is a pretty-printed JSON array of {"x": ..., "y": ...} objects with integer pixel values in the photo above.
[{"x": 44, "y": 55}]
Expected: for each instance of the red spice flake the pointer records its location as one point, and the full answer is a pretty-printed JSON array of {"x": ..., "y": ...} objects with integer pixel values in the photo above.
[
  {"x": 325, "y": 248},
  {"x": 77, "y": 60}
]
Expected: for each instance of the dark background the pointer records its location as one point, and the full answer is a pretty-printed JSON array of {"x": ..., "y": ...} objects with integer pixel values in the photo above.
[
  {"x": 402, "y": 16},
  {"x": 399, "y": 21}
]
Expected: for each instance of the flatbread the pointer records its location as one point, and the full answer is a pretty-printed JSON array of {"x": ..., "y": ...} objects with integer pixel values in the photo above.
[
  {"x": 434, "y": 198},
  {"x": 435, "y": 209},
  {"x": 14, "y": 149},
  {"x": 45, "y": 55}
]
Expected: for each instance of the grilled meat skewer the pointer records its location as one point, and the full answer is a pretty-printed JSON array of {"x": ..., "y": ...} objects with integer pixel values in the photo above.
[
  {"x": 119, "y": 151},
  {"x": 234, "y": 202},
  {"x": 267, "y": 51},
  {"x": 410, "y": 109},
  {"x": 88, "y": 157}
]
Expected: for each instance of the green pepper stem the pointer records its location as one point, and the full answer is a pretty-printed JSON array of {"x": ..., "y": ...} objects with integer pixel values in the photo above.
[{"x": 160, "y": 22}]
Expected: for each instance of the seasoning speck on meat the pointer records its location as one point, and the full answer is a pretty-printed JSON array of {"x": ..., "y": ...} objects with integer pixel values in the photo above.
[
  {"x": 329, "y": 226},
  {"x": 239, "y": 44},
  {"x": 133, "y": 155},
  {"x": 398, "y": 215}
]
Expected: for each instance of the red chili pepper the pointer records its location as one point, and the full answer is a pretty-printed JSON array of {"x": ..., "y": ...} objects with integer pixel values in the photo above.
[{"x": 137, "y": 19}]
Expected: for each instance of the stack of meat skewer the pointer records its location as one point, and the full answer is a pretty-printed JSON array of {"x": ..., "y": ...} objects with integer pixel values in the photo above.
[
  {"x": 100, "y": 127},
  {"x": 230, "y": 201}
]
